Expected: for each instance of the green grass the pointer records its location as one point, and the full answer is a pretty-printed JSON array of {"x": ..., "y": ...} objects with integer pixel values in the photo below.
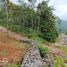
[
  {"x": 43, "y": 50},
  {"x": 16, "y": 65},
  {"x": 12, "y": 65},
  {"x": 64, "y": 48},
  {"x": 58, "y": 62}
]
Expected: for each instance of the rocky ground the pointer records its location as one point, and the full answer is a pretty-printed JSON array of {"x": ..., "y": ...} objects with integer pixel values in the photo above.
[
  {"x": 32, "y": 58},
  {"x": 59, "y": 48}
]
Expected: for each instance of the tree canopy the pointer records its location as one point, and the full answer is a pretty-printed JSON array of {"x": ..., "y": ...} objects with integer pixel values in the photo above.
[{"x": 24, "y": 18}]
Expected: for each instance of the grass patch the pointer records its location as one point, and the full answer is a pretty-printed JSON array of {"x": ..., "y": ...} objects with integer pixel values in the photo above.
[
  {"x": 58, "y": 62},
  {"x": 11, "y": 65},
  {"x": 43, "y": 50},
  {"x": 63, "y": 48}
]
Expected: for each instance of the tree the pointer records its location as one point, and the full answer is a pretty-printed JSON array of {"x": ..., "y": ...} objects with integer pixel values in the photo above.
[
  {"x": 47, "y": 22},
  {"x": 24, "y": 18},
  {"x": 6, "y": 10},
  {"x": 32, "y": 6}
]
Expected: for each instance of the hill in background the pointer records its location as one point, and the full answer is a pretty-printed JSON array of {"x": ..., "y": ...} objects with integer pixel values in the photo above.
[{"x": 62, "y": 26}]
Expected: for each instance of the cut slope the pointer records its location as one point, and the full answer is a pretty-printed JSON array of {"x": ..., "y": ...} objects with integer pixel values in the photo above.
[{"x": 11, "y": 49}]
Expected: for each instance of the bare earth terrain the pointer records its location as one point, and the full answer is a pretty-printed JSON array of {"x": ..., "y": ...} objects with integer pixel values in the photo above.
[{"x": 11, "y": 49}]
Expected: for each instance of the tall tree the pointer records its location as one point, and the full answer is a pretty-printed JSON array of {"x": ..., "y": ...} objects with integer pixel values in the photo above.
[
  {"x": 6, "y": 10},
  {"x": 32, "y": 6},
  {"x": 47, "y": 22}
]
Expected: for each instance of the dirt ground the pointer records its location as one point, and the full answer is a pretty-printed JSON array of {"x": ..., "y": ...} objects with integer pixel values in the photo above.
[{"x": 11, "y": 49}]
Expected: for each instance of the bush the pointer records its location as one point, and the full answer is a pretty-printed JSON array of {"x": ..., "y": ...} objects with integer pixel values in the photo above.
[
  {"x": 43, "y": 51},
  {"x": 31, "y": 33}
]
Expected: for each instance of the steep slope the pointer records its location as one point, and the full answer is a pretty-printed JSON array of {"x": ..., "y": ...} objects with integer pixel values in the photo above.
[
  {"x": 58, "y": 51},
  {"x": 12, "y": 49}
]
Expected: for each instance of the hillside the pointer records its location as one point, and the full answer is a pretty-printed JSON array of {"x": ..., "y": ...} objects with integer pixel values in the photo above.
[
  {"x": 62, "y": 26},
  {"x": 58, "y": 51},
  {"x": 12, "y": 49},
  {"x": 30, "y": 35}
]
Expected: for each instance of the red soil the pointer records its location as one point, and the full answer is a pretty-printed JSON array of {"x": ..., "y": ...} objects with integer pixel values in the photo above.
[{"x": 9, "y": 49}]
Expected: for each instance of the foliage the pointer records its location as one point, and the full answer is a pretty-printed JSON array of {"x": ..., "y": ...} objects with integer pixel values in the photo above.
[
  {"x": 31, "y": 33},
  {"x": 23, "y": 18},
  {"x": 47, "y": 25},
  {"x": 43, "y": 51}
]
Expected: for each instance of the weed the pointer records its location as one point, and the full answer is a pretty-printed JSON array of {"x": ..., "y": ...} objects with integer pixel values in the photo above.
[{"x": 59, "y": 62}]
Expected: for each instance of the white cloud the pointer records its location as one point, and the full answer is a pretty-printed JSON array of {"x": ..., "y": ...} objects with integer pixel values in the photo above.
[
  {"x": 59, "y": 5},
  {"x": 61, "y": 8}
]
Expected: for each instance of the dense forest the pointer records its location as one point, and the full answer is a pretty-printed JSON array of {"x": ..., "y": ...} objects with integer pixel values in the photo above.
[{"x": 29, "y": 18}]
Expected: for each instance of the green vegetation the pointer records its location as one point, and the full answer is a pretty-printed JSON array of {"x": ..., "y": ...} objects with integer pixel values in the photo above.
[
  {"x": 59, "y": 62},
  {"x": 66, "y": 33},
  {"x": 61, "y": 26},
  {"x": 36, "y": 22},
  {"x": 12, "y": 65},
  {"x": 24, "y": 19},
  {"x": 43, "y": 51},
  {"x": 64, "y": 48},
  {"x": 16, "y": 65}
]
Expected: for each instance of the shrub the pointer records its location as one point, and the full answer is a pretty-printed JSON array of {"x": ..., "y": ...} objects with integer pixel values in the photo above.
[{"x": 43, "y": 51}]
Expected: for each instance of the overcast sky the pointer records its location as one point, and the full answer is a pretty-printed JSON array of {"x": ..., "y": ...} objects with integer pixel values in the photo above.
[{"x": 59, "y": 5}]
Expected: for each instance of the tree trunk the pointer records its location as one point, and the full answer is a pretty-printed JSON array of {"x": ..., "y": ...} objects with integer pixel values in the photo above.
[
  {"x": 38, "y": 25},
  {"x": 7, "y": 17}
]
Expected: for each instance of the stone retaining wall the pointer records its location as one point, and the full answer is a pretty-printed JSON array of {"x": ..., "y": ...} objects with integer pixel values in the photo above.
[{"x": 32, "y": 58}]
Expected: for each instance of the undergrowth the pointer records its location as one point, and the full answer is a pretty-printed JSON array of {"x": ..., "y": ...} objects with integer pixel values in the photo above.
[{"x": 58, "y": 62}]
